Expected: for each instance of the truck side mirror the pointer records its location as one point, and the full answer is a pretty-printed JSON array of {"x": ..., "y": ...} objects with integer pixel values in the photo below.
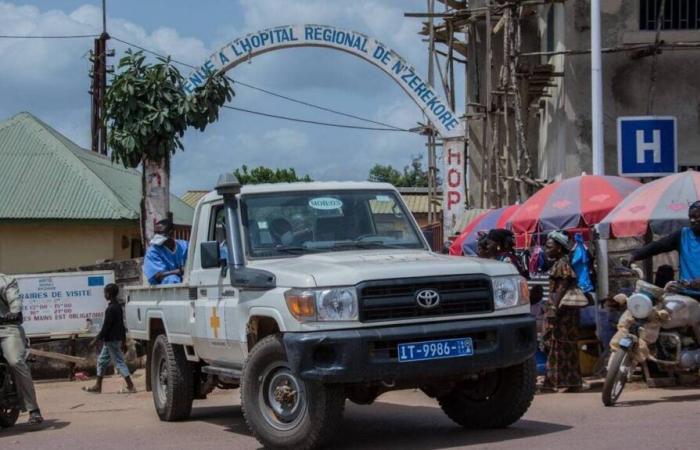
[{"x": 210, "y": 254}]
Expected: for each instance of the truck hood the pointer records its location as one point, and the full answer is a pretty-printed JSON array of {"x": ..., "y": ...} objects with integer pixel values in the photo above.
[{"x": 352, "y": 267}]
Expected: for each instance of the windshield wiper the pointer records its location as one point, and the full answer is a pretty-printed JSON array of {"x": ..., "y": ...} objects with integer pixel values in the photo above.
[
  {"x": 291, "y": 249},
  {"x": 361, "y": 244}
]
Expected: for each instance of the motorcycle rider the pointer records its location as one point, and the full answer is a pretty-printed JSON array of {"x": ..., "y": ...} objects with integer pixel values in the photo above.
[
  {"x": 686, "y": 242},
  {"x": 12, "y": 342}
]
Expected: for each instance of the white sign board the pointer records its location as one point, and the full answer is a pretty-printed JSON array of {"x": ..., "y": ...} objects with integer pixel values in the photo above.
[
  {"x": 63, "y": 303},
  {"x": 310, "y": 35},
  {"x": 453, "y": 206}
]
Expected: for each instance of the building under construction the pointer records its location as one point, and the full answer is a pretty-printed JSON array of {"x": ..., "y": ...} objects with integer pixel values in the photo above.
[{"x": 523, "y": 81}]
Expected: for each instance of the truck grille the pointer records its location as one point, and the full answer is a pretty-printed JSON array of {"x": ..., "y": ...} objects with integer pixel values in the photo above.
[{"x": 396, "y": 299}]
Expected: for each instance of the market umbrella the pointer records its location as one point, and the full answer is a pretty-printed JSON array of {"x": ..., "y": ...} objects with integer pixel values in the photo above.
[
  {"x": 571, "y": 203},
  {"x": 494, "y": 218},
  {"x": 661, "y": 206}
]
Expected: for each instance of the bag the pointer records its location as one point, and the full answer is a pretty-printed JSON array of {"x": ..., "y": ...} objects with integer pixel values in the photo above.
[
  {"x": 574, "y": 298},
  {"x": 581, "y": 263}
]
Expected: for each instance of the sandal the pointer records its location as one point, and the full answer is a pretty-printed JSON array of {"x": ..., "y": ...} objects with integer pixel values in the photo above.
[{"x": 92, "y": 389}]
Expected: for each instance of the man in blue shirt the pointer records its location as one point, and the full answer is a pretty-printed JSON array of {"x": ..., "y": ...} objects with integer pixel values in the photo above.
[
  {"x": 686, "y": 242},
  {"x": 166, "y": 257}
]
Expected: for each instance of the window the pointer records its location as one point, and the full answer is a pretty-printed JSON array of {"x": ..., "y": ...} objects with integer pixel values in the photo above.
[
  {"x": 550, "y": 29},
  {"x": 297, "y": 223},
  {"x": 678, "y": 14}
]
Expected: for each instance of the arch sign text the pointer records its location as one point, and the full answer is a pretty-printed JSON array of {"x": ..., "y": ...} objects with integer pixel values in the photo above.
[{"x": 423, "y": 94}]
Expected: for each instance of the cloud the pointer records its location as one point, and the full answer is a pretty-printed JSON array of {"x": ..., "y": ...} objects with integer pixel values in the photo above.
[{"x": 50, "y": 79}]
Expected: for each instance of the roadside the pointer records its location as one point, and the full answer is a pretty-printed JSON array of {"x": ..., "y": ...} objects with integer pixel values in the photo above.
[{"x": 651, "y": 418}]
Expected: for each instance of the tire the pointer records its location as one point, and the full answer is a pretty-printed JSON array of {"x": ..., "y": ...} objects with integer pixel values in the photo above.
[
  {"x": 8, "y": 417},
  {"x": 305, "y": 420},
  {"x": 172, "y": 381},
  {"x": 495, "y": 401},
  {"x": 616, "y": 378}
]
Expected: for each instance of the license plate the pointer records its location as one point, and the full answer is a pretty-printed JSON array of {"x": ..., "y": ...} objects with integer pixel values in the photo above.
[{"x": 440, "y": 349}]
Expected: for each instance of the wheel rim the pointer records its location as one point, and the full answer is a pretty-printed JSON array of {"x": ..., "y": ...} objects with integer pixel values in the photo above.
[
  {"x": 282, "y": 397},
  {"x": 620, "y": 379},
  {"x": 162, "y": 381}
]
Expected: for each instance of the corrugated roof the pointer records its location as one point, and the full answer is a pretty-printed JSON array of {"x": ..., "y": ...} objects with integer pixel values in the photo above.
[
  {"x": 193, "y": 197},
  {"x": 47, "y": 176}
]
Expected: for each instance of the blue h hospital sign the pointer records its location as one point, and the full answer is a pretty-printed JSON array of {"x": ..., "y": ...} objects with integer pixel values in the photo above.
[{"x": 647, "y": 146}]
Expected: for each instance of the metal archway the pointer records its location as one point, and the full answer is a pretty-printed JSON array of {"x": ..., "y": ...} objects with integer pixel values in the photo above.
[{"x": 446, "y": 122}]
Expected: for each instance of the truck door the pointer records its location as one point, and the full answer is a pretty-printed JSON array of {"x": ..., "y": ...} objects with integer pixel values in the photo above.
[{"x": 217, "y": 340}]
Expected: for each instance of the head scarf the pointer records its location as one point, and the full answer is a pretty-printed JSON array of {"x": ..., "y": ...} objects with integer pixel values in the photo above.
[{"x": 560, "y": 238}]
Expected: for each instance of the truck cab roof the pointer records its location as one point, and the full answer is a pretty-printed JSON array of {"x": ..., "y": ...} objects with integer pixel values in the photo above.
[{"x": 268, "y": 188}]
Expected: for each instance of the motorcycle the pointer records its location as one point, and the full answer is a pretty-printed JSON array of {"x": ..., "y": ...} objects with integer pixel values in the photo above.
[
  {"x": 10, "y": 400},
  {"x": 660, "y": 326}
]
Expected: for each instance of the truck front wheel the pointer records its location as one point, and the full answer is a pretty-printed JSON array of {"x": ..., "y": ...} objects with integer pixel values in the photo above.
[
  {"x": 282, "y": 410},
  {"x": 495, "y": 400},
  {"x": 171, "y": 379}
]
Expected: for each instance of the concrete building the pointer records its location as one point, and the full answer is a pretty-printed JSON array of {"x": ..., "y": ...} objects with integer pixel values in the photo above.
[
  {"x": 637, "y": 81},
  {"x": 63, "y": 206},
  {"x": 634, "y": 83}
]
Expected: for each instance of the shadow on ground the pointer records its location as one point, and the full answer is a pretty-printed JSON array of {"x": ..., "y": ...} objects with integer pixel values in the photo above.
[
  {"x": 391, "y": 426},
  {"x": 22, "y": 428},
  {"x": 667, "y": 399}
]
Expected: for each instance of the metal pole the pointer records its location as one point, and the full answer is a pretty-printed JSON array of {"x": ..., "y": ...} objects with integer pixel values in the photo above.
[
  {"x": 596, "y": 91},
  {"x": 104, "y": 16}
]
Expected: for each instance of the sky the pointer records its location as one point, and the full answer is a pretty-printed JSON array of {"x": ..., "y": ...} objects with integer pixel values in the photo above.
[{"x": 49, "y": 78}]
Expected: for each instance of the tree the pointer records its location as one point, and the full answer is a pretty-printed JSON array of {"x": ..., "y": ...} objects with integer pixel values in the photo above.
[
  {"x": 147, "y": 112},
  {"x": 266, "y": 175},
  {"x": 413, "y": 175}
]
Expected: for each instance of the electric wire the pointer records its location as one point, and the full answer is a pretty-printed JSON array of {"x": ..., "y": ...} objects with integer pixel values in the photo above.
[
  {"x": 75, "y": 36},
  {"x": 314, "y": 122},
  {"x": 385, "y": 126}
]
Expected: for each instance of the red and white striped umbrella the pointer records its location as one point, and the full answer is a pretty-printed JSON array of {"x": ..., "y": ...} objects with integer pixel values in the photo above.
[{"x": 661, "y": 206}]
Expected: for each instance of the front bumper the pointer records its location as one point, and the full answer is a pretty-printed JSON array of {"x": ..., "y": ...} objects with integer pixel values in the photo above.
[{"x": 370, "y": 354}]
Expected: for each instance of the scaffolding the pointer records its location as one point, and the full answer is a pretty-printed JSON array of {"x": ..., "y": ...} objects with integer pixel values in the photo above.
[{"x": 483, "y": 39}]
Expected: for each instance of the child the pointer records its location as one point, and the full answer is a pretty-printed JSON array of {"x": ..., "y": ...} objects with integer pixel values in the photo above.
[{"x": 113, "y": 336}]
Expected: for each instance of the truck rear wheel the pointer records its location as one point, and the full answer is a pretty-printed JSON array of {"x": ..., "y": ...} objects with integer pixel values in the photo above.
[
  {"x": 171, "y": 379},
  {"x": 282, "y": 410},
  {"x": 494, "y": 401}
]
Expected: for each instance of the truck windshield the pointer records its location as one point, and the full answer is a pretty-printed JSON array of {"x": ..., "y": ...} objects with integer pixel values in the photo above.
[{"x": 295, "y": 223}]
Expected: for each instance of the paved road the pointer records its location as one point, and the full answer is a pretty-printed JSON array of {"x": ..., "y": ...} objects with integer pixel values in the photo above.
[{"x": 658, "y": 418}]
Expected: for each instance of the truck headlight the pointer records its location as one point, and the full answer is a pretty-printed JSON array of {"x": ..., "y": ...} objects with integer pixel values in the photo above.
[
  {"x": 322, "y": 304},
  {"x": 510, "y": 291},
  {"x": 336, "y": 304}
]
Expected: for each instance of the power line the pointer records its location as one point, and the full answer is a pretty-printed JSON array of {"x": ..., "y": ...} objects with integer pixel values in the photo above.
[
  {"x": 75, "y": 36},
  {"x": 291, "y": 99},
  {"x": 313, "y": 122}
]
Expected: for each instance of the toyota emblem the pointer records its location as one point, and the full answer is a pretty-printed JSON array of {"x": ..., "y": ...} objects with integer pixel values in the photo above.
[{"x": 427, "y": 298}]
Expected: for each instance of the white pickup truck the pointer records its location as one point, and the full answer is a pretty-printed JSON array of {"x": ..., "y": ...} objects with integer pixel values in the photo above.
[{"x": 304, "y": 295}]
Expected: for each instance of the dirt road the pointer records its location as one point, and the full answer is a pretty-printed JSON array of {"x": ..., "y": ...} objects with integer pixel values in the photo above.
[{"x": 647, "y": 418}]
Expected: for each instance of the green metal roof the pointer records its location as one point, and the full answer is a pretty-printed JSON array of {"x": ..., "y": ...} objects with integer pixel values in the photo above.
[{"x": 47, "y": 176}]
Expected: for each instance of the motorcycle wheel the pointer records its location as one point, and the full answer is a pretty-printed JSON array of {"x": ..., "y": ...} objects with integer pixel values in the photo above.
[
  {"x": 618, "y": 373},
  {"x": 8, "y": 417}
]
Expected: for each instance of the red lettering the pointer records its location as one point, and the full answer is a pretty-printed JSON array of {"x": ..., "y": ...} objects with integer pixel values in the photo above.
[
  {"x": 453, "y": 198},
  {"x": 454, "y": 178},
  {"x": 457, "y": 154}
]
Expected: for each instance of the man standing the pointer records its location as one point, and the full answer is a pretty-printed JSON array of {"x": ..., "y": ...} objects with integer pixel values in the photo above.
[
  {"x": 687, "y": 242},
  {"x": 113, "y": 336},
  {"x": 166, "y": 257},
  {"x": 12, "y": 343}
]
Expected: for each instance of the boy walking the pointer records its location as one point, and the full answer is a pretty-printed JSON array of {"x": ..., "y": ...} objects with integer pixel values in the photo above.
[{"x": 113, "y": 336}]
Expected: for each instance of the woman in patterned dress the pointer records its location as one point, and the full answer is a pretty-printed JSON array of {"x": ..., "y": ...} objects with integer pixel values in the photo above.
[{"x": 561, "y": 322}]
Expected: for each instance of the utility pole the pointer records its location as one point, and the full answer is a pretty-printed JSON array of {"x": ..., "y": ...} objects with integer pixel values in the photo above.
[
  {"x": 98, "y": 57},
  {"x": 596, "y": 91}
]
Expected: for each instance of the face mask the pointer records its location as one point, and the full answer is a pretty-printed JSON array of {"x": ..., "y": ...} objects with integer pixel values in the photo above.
[{"x": 159, "y": 239}]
